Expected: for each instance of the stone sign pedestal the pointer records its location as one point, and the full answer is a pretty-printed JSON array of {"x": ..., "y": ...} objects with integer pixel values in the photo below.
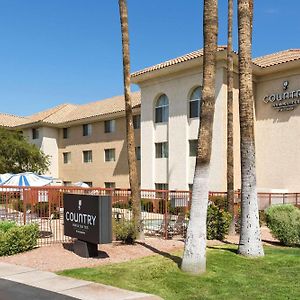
[{"x": 85, "y": 249}]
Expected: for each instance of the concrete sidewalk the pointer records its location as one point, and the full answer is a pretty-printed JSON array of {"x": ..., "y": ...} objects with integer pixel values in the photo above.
[{"x": 60, "y": 285}]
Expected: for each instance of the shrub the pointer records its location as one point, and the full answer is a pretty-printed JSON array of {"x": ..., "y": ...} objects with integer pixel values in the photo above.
[
  {"x": 218, "y": 221},
  {"x": 18, "y": 239},
  {"x": 124, "y": 231},
  {"x": 6, "y": 225},
  {"x": 219, "y": 201},
  {"x": 284, "y": 223}
]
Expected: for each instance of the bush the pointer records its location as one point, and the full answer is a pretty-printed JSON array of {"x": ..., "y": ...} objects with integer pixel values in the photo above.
[
  {"x": 6, "y": 225},
  {"x": 15, "y": 239},
  {"x": 219, "y": 201},
  {"x": 218, "y": 221},
  {"x": 284, "y": 223},
  {"x": 124, "y": 231}
]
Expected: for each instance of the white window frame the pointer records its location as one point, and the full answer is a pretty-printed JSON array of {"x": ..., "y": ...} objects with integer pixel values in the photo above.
[
  {"x": 89, "y": 158},
  {"x": 110, "y": 155}
]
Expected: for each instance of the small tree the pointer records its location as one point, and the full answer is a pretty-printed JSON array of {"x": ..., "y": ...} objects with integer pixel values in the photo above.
[{"x": 17, "y": 155}]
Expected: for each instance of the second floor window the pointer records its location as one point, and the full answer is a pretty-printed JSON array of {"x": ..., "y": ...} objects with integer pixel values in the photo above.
[
  {"x": 138, "y": 153},
  {"x": 87, "y": 156},
  {"x": 110, "y": 154},
  {"x": 193, "y": 147},
  {"x": 137, "y": 121},
  {"x": 162, "y": 109},
  {"x": 35, "y": 133},
  {"x": 161, "y": 150},
  {"x": 194, "y": 103},
  {"x": 67, "y": 157},
  {"x": 87, "y": 129},
  {"x": 109, "y": 126},
  {"x": 65, "y": 133}
]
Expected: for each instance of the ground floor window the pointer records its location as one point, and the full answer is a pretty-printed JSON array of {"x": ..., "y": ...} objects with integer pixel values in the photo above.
[{"x": 110, "y": 185}]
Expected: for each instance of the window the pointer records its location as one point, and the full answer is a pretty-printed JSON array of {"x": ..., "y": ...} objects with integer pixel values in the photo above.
[
  {"x": 67, "y": 157},
  {"x": 190, "y": 187},
  {"x": 161, "y": 150},
  {"x": 110, "y": 154},
  {"x": 87, "y": 129},
  {"x": 35, "y": 133},
  {"x": 193, "y": 147},
  {"x": 138, "y": 153},
  {"x": 87, "y": 156},
  {"x": 65, "y": 133},
  {"x": 110, "y": 185},
  {"x": 162, "y": 109},
  {"x": 67, "y": 183},
  {"x": 89, "y": 183},
  {"x": 109, "y": 126},
  {"x": 194, "y": 103},
  {"x": 162, "y": 187},
  {"x": 137, "y": 121}
]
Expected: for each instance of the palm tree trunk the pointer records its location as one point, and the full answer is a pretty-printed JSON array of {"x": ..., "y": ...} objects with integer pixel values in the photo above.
[
  {"x": 133, "y": 174},
  {"x": 250, "y": 240},
  {"x": 230, "y": 159},
  {"x": 194, "y": 256}
]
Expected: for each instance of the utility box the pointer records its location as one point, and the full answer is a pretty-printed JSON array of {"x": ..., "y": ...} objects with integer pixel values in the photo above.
[{"x": 88, "y": 218}]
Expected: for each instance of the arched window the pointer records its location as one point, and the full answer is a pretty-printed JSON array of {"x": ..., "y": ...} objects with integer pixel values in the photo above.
[
  {"x": 162, "y": 109},
  {"x": 194, "y": 102}
]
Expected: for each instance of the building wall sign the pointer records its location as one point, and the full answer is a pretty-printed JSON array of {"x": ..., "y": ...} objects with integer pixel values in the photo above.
[
  {"x": 286, "y": 100},
  {"x": 88, "y": 218}
]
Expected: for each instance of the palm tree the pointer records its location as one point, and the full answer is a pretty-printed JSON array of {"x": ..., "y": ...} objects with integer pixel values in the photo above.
[
  {"x": 250, "y": 240},
  {"x": 230, "y": 159},
  {"x": 194, "y": 256},
  {"x": 133, "y": 175}
]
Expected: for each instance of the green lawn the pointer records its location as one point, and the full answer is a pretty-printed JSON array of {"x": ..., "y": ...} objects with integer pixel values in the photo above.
[{"x": 229, "y": 276}]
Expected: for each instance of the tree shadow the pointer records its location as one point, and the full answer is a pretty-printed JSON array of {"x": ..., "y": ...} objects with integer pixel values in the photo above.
[
  {"x": 273, "y": 243},
  {"x": 174, "y": 258},
  {"x": 235, "y": 251}
]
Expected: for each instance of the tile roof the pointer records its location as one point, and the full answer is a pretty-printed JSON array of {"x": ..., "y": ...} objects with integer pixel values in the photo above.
[
  {"x": 65, "y": 113},
  {"x": 174, "y": 61},
  {"x": 99, "y": 108},
  {"x": 7, "y": 120},
  {"x": 277, "y": 58}
]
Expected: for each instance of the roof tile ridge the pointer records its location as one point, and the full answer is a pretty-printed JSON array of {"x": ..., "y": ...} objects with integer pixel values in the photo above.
[
  {"x": 275, "y": 53},
  {"x": 13, "y": 115}
]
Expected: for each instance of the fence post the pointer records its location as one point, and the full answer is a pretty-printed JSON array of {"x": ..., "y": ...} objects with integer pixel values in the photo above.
[
  {"x": 166, "y": 215},
  {"x": 296, "y": 199},
  {"x": 270, "y": 199}
]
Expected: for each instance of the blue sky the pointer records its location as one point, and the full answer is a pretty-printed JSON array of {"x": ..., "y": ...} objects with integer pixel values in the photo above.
[{"x": 60, "y": 51}]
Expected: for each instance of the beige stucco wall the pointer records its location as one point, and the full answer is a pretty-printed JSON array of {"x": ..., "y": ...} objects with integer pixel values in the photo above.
[
  {"x": 277, "y": 136},
  {"x": 47, "y": 142},
  {"x": 178, "y": 169},
  {"x": 98, "y": 171}
]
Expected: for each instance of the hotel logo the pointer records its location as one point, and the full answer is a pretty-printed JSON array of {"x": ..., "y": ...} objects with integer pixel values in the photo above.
[{"x": 285, "y": 101}]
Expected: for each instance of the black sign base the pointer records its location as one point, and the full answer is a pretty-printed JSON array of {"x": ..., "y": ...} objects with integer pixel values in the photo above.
[{"x": 85, "y": 249}]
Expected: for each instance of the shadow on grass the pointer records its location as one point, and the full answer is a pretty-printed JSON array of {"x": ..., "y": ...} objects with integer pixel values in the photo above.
[
  {"x": 174, "y": 258},
  {"x": 235, "y": 251},
  {"x": 101, "y": 254}
]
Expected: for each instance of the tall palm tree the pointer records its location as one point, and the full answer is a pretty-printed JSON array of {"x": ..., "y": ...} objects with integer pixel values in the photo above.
[
  {"x": 250, "y": 240},
  {"x": 194, "y": 256},
  {"x": 133, "y": 174},
  {"x": 230, "y": 159}
]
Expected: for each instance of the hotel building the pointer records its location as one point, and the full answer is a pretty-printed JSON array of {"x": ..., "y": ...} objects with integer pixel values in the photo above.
[{"x": 86, "y": 142}]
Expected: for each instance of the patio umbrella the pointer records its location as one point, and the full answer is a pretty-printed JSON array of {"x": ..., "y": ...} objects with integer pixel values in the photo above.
[
  {"x": 81, "y": 184},
  {"x": 27, "y": 179},
  {"x": 4, "y": 177}
]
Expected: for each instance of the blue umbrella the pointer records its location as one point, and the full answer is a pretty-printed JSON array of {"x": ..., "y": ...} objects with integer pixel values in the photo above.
[{"x": 27, "y": 179}]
